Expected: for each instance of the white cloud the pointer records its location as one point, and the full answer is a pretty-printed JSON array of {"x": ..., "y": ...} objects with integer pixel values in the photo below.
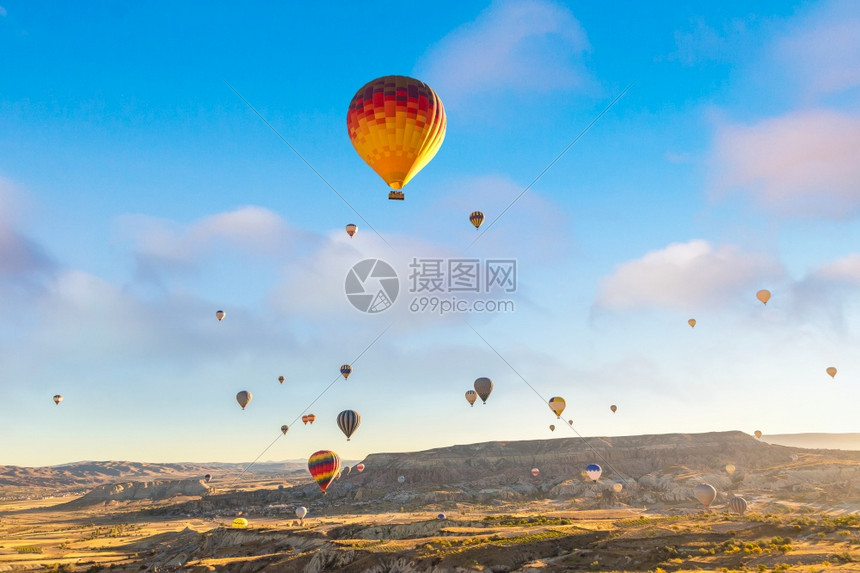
[
  {"x": 685, "y": 275},
  {"x": 532, "y": 45},
  {"x": 20, "y": 257},
  {"x": 803, "y": 163}
]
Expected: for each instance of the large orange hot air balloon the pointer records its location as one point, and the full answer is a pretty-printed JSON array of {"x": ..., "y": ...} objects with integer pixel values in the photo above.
[
  {"x": 324, "y": 465},
  {"x": 396, "y": 124}
]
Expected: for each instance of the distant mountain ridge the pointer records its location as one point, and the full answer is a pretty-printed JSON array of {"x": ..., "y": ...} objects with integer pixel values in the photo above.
[{"x": 819, "y": 441}]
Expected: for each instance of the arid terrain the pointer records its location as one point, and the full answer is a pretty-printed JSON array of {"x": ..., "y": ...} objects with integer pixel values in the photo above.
[{"x": 803, "y": 511}]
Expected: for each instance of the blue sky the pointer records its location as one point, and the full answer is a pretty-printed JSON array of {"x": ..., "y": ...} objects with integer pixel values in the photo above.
[{"x": 139, "y": 194}]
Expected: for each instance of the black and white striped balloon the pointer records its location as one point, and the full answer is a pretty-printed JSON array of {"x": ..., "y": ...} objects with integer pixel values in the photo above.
[{"x": 348, "y": 422}]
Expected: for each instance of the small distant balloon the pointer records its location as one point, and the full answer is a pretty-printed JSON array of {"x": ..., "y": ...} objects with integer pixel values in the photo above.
[
  {"x": 692, "y": 322},
  {"x": 345, "y": 371},
  {"x": 552, "y": 427},
  {"x": 570, "y": 422},
  {"x": 348, "y": 422},
  {"x": 471, "y": 397},
  {"x": 758, "y": 434},
  {"x": 207, "y": 478},
  {"x": 401, "y": 479},
  {"x": 614, "y": 408},
  {"x": 301, "y": 512},
  {"x": 705, "y": 493},
  {"x": 284, "y": 429},
  {"x": 220, "y": 314},
  {"x": 763, "y": 296},
  {"x": 616, "y": 487},
  {"x": 557, "y": 405},
  {"x": 360, "y": 468},
  {"x": 351, "y": 229},
  {"x": 794, "y": 457},
  {"x": 305, "y": 420},
  {"x": 240, "y": 523},
  {"x": 476, "y": 218},
  {"x": 58, "y": 398},
  {"x": 730, "y": 469},
  {"x": 832, "y": 371},
  {"x": 311, "y": 418},
  {"x": 441, "y": 516},
  {"x": 243, "y": 397},
  {"x": 593, "y": 471},
  {"x": 738, "y": 505},
  {"x": 483, "y": 386},
  {"x": 281, "y": 379},
  {"x": 535, "y": 472}
]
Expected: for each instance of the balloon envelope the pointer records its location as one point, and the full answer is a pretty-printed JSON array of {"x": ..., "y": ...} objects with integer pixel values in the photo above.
[
  {"x": 396, "y": 125},
  {"x": 831, "y": 371},
  {"x": 220, "y": 314},
  {"x": 284, "y": 428},
  {"x": 483, "y": 386},
  {"x": 324, "y": 465},
  {"x": 351, "y": 229},
  {"x": 614, "y": 408},
  {"x": 311, "y": 418},
  {"x": 552, "y": 427},
  {"x": 441, "y": 516},
  {"x": 360, "y": 468},
  {"x": 345, "y": 371},
  {"x": 593, "y": 471},
  {"x": 401, "y": 479},
  {"x": 758, "y": 434},
  {"x": 616, "y": 487},
  {"x": 240, "y": 522},
  {"x": 471, "y": 396},
  {"x": 301, "y": 512},
  {"x": 705, "y": 493},
  {"x": 730, "y": 469},
  {"x": 57, "y": 399},
  {"x": 738, "y": 505},
  {"x": 476, "y": 218},
  {"x": 557, "y": 405},
  {"x": 763, "y": 295},
  {"x": 535, "y": 472},
  {"x": 348, "y": 422},
  {"x": 207, "y": 478},
  {"x": 243, "y": 398},
  {"x": 281, "y": 379},
  {"x": 692, "y": 322}
]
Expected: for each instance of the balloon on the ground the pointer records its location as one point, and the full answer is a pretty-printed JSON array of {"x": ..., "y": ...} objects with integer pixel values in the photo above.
[
  {"x": 441, "y": 516},
  {"x": 705, "y": 493},
  {"x": 616, "y": 487},
  {"x": 240, "y": 522},
  {"x": 220, "y": 314},
  {"x": 324, "y": 465},
  {"x": 301, "y": 512},
  {"x": 557, "y": 405},
  {"x": 348, "y": 422},
  {"x": 535, "y": 472},
  {"x": 345, "y": 371},
  {"x": 483, "y": 386},
  {"x": 763, "y": 296},
  {"x": 207, "y": 478},
  {"x": 243, "y": 397},
  {"x": 730, "y": 469},
  {"x": 471, "y": 396},
  {"x": 284, "y": 429},
  {"x": 351, "y": 229},
  {"x": 396, "y": 125},
  {"x": 593, "y": 471},
  {"x": 58, "y": 398},
  {"x": 401, "y": 479},
  {"x": 738, "y": 505},
  {"x": 476, "y": 218}
]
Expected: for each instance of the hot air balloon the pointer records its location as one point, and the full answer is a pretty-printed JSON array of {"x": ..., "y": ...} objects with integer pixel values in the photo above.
[
  {"x": 311, "y": 418},
  {"x": 763, "y": 295},
  {"x": 220, "y": 314},
  {"x": 441, "y": 516},
  {"x": 348, "y": 422},
  {"x": 483, "y": 386},
  {"x": 243, "y": 398},
  {"x": 705, "y": 493},
  {"x": 281, "y": 379},
  {"x": 557, "y": 405},
  {"x": 614, "y": 408},
  {"x": 535, "y": 472},
  {"x": 351, "y": 229},
  {"x": 794, "y": 457},
  {"x": 58, "y": 398},
  {"x": 345, "y": 471},
  {"x": 476, "y": 218},
  {"x": 360, "y": 468},
  {"x": 401, "y": 479},
  {"x": 301, "y": 512},
  {"x": 758, "y": 434},
  {"x": 570, "y": 422},
  {"x": 552, "y": 427},
  {"x": 240, "y": 523},
  {"x": 730, "y": 469},
  {"x": 832, "y": 371},
  {"x": 345, "y": 371},
  {"x": 284, "y": 429},
  {"x": 738, "y": 505},
  {"x": 324, "y": 465},
  {"x": 692, "y": 322},
  {"x": 616, "y": 487},
  {"x": 396, "y": 124},
  {"x": 471, "y": 396},
  {"x": 305, "y": 420},
  {"x": 593, "y": 471},
  {"x": 207, "y": 478}
]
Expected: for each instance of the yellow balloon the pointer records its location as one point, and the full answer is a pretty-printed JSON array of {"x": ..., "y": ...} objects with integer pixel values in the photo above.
[
  {"x": 557, "y": 405},
  {"x": 758, "y": 434},
  {"x": 240, "y": 522},
  {"x": 832, "y": 372},
  {"x": 730, "y": 469},
  {"x": 692, "y": 322},
  {"x": 763, "y": 295},
  {"x": 396, "y": 124}
]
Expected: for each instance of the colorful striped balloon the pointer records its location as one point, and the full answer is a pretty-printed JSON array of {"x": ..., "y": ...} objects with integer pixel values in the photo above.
[
  {"x": 396, "y": 124},
  {"x": 324, "y": 465},
  {"x": 348, "y": 422},
  {"x": 345, "y": 371}
]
